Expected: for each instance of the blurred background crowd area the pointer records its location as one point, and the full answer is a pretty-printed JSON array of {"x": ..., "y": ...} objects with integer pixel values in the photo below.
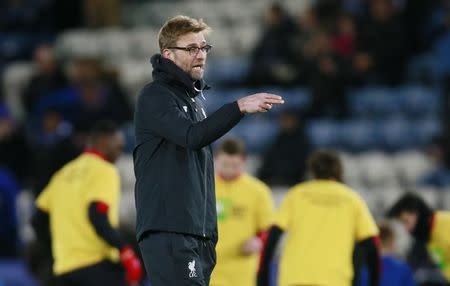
[{"x": 369, "y": 78}]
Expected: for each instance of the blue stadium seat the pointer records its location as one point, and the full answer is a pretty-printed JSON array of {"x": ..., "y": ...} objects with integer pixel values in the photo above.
[
  {"x": 295, "y": 99},
  {"x": 423, "y": 130},
  {"x": 215, "y": 98},
  {"x": 394, "y": 134},
  {"x": 358, "y": 135},
  {"x": 21, "y": 46},
  {"x": 324, "y": 133},
  {"x": 440, "y": 51},
  {"x": 419, "y": 101},
  {"x": 14, "y": 273},
  {"x": 373, "y": 102},
  {"x": 257, "y": 132},
  {"x": 226, "y": 70}
]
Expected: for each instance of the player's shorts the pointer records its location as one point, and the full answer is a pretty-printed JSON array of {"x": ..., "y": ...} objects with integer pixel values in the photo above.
[{"x": 174, "y": 259}]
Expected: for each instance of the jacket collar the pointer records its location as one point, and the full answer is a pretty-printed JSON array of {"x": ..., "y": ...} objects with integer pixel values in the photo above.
[{"x": 167, "y": 71}]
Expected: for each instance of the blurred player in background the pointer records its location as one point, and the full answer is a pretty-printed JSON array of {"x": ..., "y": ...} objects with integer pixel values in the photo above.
[
  {"x": 323, "y": 219},
  {"x": 79, "y": 208},
  {"x": 244, "y": 212},
  {"x": 395, "y": 271},
  {"x": 427, "y": 226}
]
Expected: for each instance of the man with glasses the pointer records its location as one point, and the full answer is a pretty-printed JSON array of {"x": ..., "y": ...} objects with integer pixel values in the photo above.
[{"x": 176, "y": 212}]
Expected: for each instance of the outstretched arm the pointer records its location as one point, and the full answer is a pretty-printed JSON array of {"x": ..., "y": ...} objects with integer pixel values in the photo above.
[{"x": 269, "y": 249}]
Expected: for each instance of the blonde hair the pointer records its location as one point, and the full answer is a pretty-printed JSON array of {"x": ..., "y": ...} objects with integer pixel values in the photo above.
[{"x": 179, "y": 26}]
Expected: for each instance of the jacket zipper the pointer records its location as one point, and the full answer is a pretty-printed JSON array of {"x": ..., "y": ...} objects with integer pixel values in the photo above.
[
  {"x": 206, "y": 192},
  {"x": 205, "y": 183}
]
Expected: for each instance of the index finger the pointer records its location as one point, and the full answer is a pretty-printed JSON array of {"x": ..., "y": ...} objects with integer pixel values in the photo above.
[{"x": 272, "y": 96}]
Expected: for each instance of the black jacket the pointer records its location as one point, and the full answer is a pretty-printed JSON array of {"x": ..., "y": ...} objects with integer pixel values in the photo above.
[{"x": 172, "y": 159}]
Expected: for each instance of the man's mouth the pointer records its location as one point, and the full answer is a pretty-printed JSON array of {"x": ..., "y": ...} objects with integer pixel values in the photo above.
[{"x": 198, "y": 67}]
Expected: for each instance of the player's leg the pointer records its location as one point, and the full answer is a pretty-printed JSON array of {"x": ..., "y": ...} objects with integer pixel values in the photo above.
[
  {"x": 172, "y": 259},
  {"x": 208, "y": 256}
]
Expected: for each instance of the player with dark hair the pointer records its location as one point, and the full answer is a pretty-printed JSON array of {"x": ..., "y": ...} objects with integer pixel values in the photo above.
[
  {"x": 244, "y": 214},
  {"x": 79, "y": 208},
  {"x": 323, "y": 220},
  {"x": 427, "y": 226}
]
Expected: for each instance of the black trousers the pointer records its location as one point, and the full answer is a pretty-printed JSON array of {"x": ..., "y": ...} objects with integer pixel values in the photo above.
[
  {"x": 103, "y": 273},
  {"x": 174, "y": 259}
]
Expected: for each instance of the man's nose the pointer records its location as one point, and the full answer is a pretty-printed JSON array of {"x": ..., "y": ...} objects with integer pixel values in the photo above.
[{"x": 201, "y": 54}]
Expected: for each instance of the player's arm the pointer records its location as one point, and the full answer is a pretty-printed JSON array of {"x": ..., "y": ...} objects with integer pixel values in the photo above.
[
  {"x": 267, "y": 255},
  {"x": 264, "y": 215},
  {"x": 367, "y": 236},
  {"x": 159, "y": 113},
  {"x": 98, "y": 216},
  {"x": 371, "y": 253},
  {"x": 41, "y": 226},
  {"x": 40, "y": 220}
]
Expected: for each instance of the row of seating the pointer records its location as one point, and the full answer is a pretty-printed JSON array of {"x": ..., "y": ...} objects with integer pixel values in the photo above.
[
  {"x": 362, "y": 135},
  {"x": 369, "y": 171},
  {"x": 380, "y": 178},
  {"x": 372, "y": 102},
  {"x": 215, "y": 13}
]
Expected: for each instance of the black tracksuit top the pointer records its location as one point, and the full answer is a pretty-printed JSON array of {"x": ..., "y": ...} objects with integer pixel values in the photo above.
[{"x": 173, "y": 161}]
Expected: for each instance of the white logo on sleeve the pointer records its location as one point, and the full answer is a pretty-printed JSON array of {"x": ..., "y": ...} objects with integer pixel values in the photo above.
[
  {"x": 191, "y": 266},
  {"x": 185, "y": 108}
]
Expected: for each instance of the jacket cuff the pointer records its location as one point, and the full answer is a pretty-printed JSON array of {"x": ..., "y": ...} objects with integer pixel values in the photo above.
[{"x": 235, "y": 111}]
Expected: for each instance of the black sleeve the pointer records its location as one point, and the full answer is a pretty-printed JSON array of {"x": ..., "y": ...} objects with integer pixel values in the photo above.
[
  {"x": 274, "y": 235},
  {"x": 41, "y": 226},
  {"x": 157, "y": 112},
  {"x": 371, "y": 254},
  {"x": 104, "y": 229}
]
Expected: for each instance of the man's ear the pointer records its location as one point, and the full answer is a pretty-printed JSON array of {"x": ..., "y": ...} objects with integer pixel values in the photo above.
[{"x": 166, "y": 53}]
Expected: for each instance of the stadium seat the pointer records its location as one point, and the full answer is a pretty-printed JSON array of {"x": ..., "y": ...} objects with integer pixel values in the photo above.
[
  {"x": 394, "y": 134},
  {"x": 419, "y": 101},
  {"x": 114, "y": 43},
  {"x": 432, "y": 196},
  {"x": 373, "y": 102},
  {"x": 410, "y": 166},
  {"x": 217, "y": 97},
  {"x": 446, "y": 199},
  {"x": 298, "y": 99},
  {"x": 376, "y": 171},
  {"x": 358, "y": 135},
  {"x": 25, "y": 209},
  {"x": 424, "y": 129},
  {"x": 278, "y": 193},
  {"x": 134, "y": 74},
  {"x": 14, "y": 81},
  {"x": 352, "y": 170},
  {"x": 125, "y": 167},
  {"x": 372, "y": 200},
  {"x": 387, "y": 197},
  {"x": 79, "y": 43},
  {"x": 15, "y": 273},
  {"x": 253, "y": 163},
  {"x": 143, "y": 43},
  {"x": 324, "y": 134},
  {"x": 226, "y": 70},
  {"x": 127, "y": 210},
  {"x": 257, "y": 132}
]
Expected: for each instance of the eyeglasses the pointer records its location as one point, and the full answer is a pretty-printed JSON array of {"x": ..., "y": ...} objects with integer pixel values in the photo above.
[{"x": 193, "y": 51}]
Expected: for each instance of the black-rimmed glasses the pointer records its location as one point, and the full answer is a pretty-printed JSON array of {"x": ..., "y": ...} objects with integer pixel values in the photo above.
[{"x": 193, "y": 51}]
